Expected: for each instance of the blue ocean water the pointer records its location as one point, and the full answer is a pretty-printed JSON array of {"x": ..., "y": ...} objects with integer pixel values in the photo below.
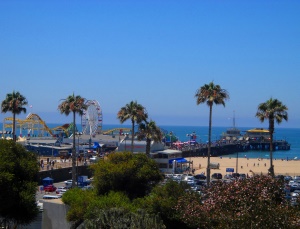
[{"x": 292, "y": 135}]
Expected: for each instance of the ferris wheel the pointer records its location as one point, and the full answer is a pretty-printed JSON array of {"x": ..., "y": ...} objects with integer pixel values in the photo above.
[{"x": 91, "y": 120}]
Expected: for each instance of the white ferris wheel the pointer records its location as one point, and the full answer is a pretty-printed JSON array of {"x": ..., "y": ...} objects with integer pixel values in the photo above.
[{"x": 91, "y": 120}]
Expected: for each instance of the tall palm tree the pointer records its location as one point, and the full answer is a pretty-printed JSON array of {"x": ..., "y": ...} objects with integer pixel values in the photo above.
[
  {"x": 273, "y": 110},
  {"x": 74, "y": 104},
  {"x": 210, "y": 94},
  {"x": 151, "y": 132},
  {"x": 14, "y": 103},
  {"x": 136, "y": 113}
]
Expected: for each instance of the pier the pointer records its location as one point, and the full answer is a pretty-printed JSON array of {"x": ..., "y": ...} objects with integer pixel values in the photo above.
[{"x": 230, "y": 148}]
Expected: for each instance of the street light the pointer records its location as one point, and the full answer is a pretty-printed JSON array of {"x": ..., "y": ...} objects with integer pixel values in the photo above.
[
  {"x": 191, "y": 136},
  {"x": 78, "y": 134},
  {"x": 52, "y": 152},
  {"x": 237, "y": 161}
]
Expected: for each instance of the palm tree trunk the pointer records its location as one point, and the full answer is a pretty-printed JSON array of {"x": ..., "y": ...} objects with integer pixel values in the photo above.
[
  {"x": 14, "y": 127},
  {"x": 73, "y": 155},
  {"x": 271, "y": 129},
  {"x": 209, "y": 147},
  {"x": 132, "y": 135},
  {"x": 148, "y": 143}
]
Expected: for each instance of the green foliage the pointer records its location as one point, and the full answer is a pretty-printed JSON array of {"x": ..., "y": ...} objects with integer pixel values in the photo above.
[
  {"x": 253, "y": 203},
  {"x": 273, "y": 110},
  {"x": 163, "y": 200},
  {"x": 151, "y": 132},
  {"x": 14, "y": 103},
  {"x": 210, "y": 94},
  {"x": 113, "y": 210},
  {"x": 79, "y": 200},
  {"x": 133, "y": 174},
  {"x": 119, "y": 218},
  {"x": 76, "y": 105},
  {"x": 136, "y": 113},
  {"x": 18, "y": 174}
]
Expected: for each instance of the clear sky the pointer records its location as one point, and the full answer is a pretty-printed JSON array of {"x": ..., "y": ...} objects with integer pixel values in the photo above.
[{"x": 155, "y": 52}]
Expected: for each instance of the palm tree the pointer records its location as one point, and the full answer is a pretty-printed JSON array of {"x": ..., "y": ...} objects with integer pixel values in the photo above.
[
  {"x": 75, "y": 104},
  {"x": 210, "y": 94},
  {"x": 273, "y": 110},
  {"x": 151, "y": 132},
  {"x": 136, "y": 113},
  {"x": 14, "y": 103}
]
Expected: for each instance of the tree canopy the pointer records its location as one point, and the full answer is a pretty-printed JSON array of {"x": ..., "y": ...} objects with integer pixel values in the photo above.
[
  {"x": 210, "y": 94},
  {"x": 256, "y": 202},
  {"x": 18, "y": 184},
  {"x": 275, "y": 111},
  {"x": 76, "y": 105},
  {"x": 133, "y": 174},
  {"x": 151, "y": 132},
  {"x": 14, "y": 103},
  {"x": 136, "y": 113}
]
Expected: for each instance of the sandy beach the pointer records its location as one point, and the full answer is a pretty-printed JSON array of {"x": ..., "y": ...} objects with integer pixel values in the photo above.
[{"x": 250, "y": 166}]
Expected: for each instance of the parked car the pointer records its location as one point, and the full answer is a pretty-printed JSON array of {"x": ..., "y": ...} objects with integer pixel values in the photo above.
[
  {"x": 200, "y": 176},
  {"x": 68, "y": 184},
  {"x": 279, "y": 177},
  {"x": 217, "y": 176},
  {"x": 242, "y": 176},
  {"x": 50, "y": 188},
  {"x": 94, "y": 159},
  {"x": 61, "y": 190},
  {"x": 187, "y": 178},
  {"x": 288, "y": 178},
  {"x": 295, "y": 186},
  {"x": 235, "y": 175},
  {"x": 296, "y": 178},
  {"x": 200, "y": 183},
  {"x": 50, "y": 197},
  {"x": 228, "y": 176}
]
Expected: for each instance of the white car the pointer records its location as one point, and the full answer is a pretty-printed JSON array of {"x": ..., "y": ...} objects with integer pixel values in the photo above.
[
  {"x": 61, "y": 190},
  {"x": 94, "y": 159},
  {"x": 295, "y": 194}
]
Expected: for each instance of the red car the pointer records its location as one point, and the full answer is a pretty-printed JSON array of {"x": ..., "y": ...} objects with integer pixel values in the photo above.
[{"x": 50, "y": 188}]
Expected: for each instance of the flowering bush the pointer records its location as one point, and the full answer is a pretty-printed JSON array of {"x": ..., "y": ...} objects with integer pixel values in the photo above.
[{"x": 258, "y": 202}]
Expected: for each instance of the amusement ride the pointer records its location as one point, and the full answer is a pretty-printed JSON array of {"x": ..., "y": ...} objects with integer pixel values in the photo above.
[{"x": 91, "y": 120}]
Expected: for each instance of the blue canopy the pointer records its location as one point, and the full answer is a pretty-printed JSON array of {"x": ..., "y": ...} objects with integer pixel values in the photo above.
[
  {"x": 179, "y": 160},
  {"x": 47, "y": 181},
  {"x": 96, "y": 145}
]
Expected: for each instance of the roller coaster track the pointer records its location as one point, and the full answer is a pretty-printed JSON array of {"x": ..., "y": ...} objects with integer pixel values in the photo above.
[
  {"x": 32, "y": 121},
  {"x": 65, "y": 128}
]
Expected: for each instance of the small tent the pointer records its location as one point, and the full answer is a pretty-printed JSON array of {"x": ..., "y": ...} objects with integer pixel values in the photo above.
[{"x": 47, "y": 181}]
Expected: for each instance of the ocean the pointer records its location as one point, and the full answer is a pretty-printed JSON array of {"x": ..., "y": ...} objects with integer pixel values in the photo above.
[{"x": 292, "y": 135}]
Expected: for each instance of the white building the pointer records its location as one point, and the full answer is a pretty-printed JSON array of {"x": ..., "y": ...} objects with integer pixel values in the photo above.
[{"x": 171, "y": 161}]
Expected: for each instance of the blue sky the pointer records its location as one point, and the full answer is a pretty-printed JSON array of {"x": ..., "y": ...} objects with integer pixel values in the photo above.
[{"x": 155, "y": 52}]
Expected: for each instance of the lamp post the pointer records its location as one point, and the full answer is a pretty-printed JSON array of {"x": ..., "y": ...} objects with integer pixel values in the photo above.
[
  {"x": 38, "y": 150},
  {"x": 52, "y": 151},
  {"x": 78, "y": 135},
  {"x": 170, "y": 138},
  {"x": 191, "y": 136},
  {"x": 237, "y": 161}
]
